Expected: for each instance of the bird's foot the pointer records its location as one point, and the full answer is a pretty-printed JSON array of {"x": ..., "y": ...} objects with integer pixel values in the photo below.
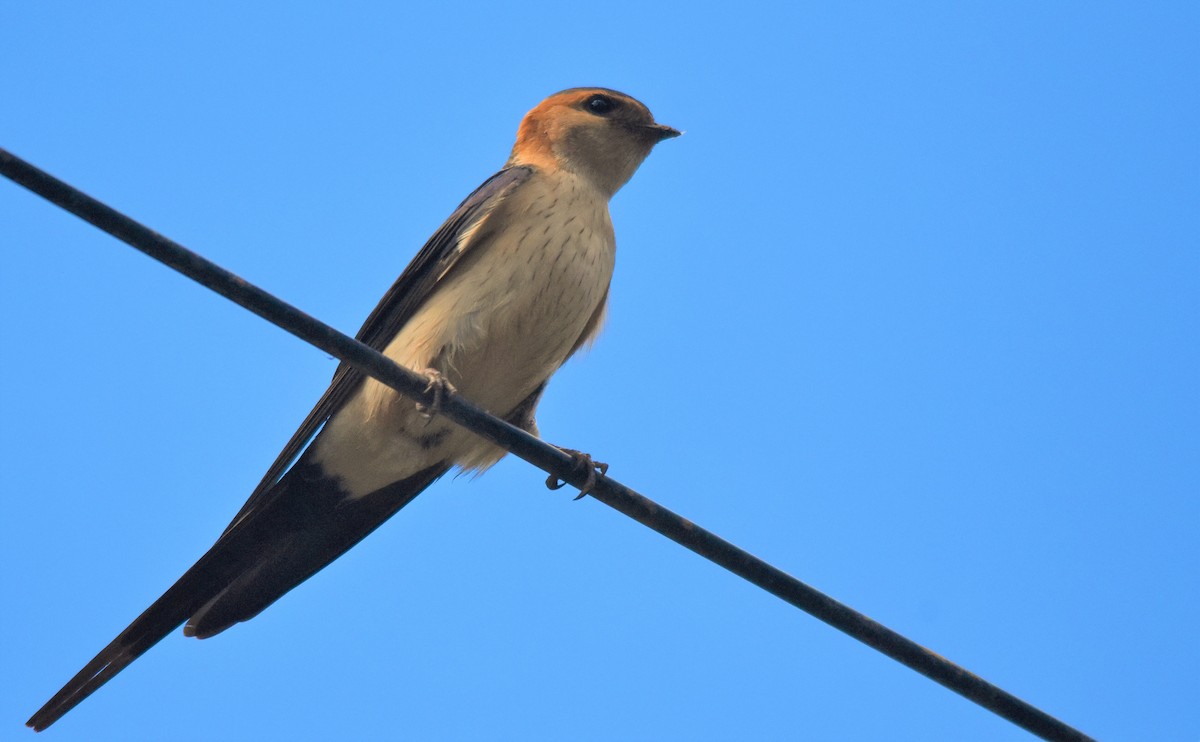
[
  {"x": 583, "y": 463},
  {"x": 440, "y": 388}
]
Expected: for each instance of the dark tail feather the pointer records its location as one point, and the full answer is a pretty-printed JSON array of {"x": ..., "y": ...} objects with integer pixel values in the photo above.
[
  {"x": 270, "y": 551},
  {"x": 314, "y": 537},
  {"x": 185, "y": 596}
]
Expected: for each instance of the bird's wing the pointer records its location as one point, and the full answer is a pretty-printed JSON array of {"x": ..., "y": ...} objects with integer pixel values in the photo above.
[
  {"x": 276, "y": 542},
  {"x": 414, "y": 286}
]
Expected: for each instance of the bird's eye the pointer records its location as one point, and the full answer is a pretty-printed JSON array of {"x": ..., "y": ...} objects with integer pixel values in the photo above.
[{"x": 601, "y": 104}]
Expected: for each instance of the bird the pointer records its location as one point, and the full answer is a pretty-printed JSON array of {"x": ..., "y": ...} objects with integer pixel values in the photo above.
[{"x": 511, "y": 285}]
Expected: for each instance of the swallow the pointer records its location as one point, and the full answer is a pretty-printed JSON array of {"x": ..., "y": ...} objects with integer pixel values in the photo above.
[{"x": 504, "y": 292}]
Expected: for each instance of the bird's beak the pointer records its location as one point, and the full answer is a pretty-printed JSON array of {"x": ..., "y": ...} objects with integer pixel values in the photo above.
[{"x": 661, "y": 132}]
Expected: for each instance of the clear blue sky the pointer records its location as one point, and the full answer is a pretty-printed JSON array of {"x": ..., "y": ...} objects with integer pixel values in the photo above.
[{"x": 912, "y": 311}]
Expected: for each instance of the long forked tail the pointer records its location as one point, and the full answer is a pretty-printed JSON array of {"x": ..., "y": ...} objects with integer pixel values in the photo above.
[
  {"x": 264, "y": 554},
  {"x": 160, "y": 619}
]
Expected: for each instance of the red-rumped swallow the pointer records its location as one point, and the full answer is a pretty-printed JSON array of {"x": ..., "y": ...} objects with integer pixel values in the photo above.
[{"x": 512, "y": 284}]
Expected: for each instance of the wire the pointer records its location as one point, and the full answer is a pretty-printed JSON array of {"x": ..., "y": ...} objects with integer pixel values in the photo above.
[{"x": 540, "y": 454}]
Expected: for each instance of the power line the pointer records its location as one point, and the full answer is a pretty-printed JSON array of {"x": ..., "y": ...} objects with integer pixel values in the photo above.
[{"x": 540, "y": 454}]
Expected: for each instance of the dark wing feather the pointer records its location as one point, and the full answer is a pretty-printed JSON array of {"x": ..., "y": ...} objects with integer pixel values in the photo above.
[
  {"x": 287, "y": 542},
  {"x": 406, "y": 295},
  {"x": 417, "y": 281}
]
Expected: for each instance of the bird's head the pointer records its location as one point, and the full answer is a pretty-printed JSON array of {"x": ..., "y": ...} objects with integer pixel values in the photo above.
[{"x": 596, "y": 133}]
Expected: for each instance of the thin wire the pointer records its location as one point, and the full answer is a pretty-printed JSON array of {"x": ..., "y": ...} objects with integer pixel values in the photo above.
[{"x": 540, "y": 454}]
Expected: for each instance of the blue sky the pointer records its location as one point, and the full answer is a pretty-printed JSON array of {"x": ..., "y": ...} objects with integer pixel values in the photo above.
[{"x": 912, "y": 311}]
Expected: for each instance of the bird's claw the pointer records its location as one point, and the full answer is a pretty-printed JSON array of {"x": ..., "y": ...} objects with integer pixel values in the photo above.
[
  {"x": 583, "y": 463},
  {"x": 440, "y": 388}
]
